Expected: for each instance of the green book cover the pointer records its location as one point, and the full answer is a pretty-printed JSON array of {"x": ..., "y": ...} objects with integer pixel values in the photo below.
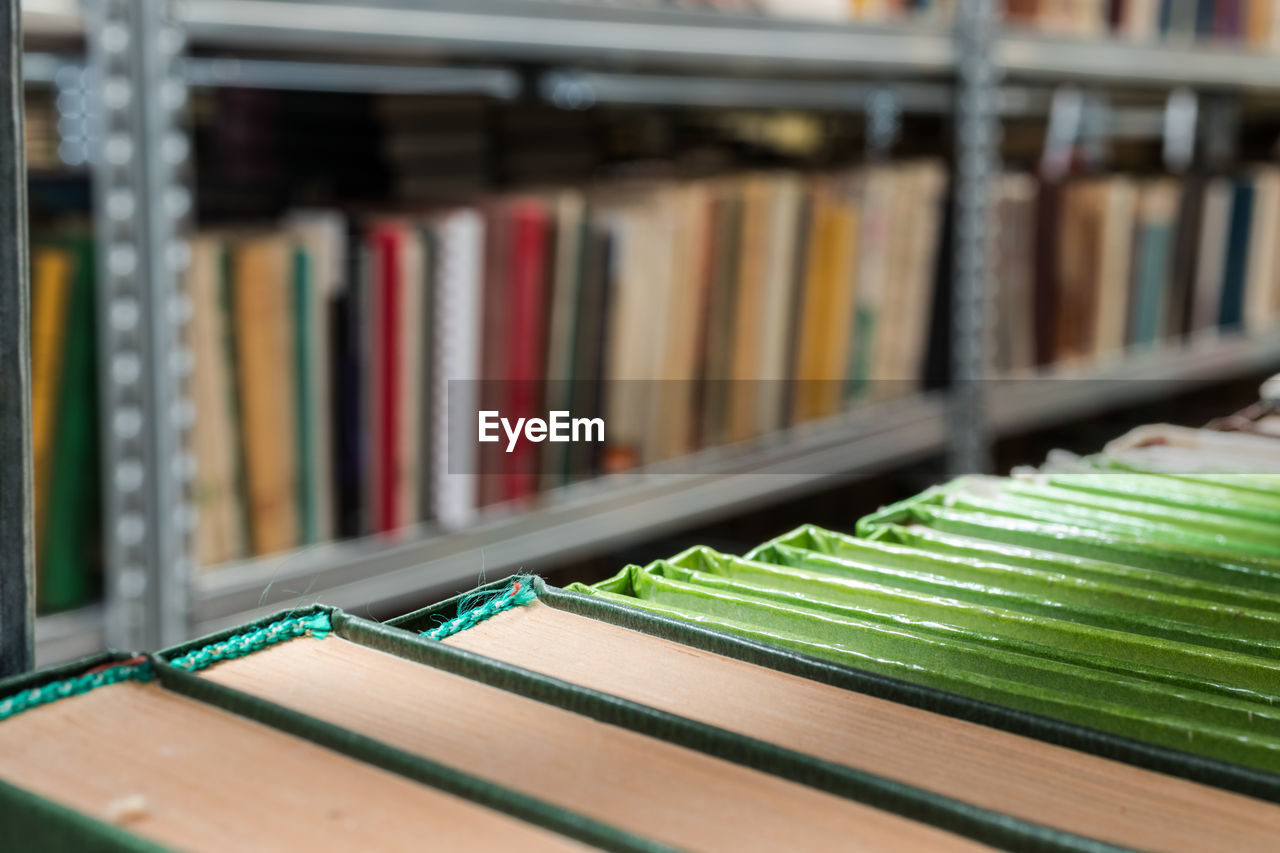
[
  {"x": 305, "y": 357},
  {"x": 71, "y": 535}
]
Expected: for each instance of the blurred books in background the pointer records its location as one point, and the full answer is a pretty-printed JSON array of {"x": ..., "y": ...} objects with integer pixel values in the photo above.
[
  {"x": 324, "y": 346},
  {"x": 1095, "y": 267}
]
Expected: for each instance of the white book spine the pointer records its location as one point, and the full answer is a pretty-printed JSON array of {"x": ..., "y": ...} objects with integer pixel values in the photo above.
[{"x": 456, "y": 359}]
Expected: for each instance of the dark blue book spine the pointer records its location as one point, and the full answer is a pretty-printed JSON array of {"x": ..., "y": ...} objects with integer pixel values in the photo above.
[
  {"x": 1231, "y": 309},
  {"x": 1204, "y": 19}
]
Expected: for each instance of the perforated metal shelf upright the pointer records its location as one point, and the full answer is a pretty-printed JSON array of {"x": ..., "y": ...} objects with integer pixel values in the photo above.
[{"x": 142, "y": 202}]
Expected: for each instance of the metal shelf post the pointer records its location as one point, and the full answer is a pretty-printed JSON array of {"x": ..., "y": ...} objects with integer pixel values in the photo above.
[
  {"x": 141, "y": 201},
  {"x": 976, "y": 161}
]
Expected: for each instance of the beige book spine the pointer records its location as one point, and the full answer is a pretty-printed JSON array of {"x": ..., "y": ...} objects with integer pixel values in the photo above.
[
  {"x": 1111, "y": 316},
  {"x": 263, "y": 317}
]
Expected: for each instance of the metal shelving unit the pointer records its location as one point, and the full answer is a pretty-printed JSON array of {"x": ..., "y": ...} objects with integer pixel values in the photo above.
[{"x": 597, "y": 55}]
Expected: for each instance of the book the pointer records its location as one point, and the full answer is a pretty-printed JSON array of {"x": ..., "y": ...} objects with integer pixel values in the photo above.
[
  {"x": 1115, "y": 266},
  {"x": 1263, "y": 265},
  {"x": 219, "y": 487},
  {"x": 412, "y": 334},
  {"x": 1215, "y": 225},
  {"x": 456, "y": 364},
  {"x": 388, "y": 249},
  {"x": 746, "y": 335},
  {"x": 1080, "y": 274},
  {"x": 68, "y": 546},
  {"x": 1149, "y": 287},
  {"x": 1013, "y": 271},
  {"x": 565, "y": 286},
  {"x": 779, "y": 300},
  {"x": 321, "y": 236},
  {"x": 51, "y": 284},
  {"x": 525, "y": 370},
  {"x": 263, "y": 314},
  {"x": 1236, "y": 258}
]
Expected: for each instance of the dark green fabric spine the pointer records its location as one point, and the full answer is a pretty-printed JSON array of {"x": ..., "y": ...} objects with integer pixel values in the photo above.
[{"x": 31, "y": 822}]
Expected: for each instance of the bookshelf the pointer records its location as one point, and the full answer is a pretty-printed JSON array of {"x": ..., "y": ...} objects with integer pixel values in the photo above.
[{"x": 616, "y": 56}]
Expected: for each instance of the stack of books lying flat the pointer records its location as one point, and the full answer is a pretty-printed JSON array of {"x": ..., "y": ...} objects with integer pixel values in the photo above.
[{"x": 1082, "y": 656}]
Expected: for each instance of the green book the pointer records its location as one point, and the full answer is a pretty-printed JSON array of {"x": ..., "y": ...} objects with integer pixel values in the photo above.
[
  {"x": 71, "y": 550},
  {"x": 307, "y": 360}
]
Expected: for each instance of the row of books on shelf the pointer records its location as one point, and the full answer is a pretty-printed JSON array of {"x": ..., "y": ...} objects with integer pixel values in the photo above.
[
  {"x": 1252, "y": 23},
  {"x": 324, "y": 348},
  {"x": 1096, "y": 266}
]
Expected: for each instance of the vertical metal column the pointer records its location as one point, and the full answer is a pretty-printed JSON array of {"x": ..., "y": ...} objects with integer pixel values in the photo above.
[
  {"x": 17, "y": 537},
  {"x": 977, "y": 158},
  {"x": 142, "y": 200}
]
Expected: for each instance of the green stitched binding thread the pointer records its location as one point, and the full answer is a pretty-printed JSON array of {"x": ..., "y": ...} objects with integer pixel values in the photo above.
[
  {"x": 317, "y": 625},
  {"x": 55, "y": 690},
  {"x": 520, "y": 592}
]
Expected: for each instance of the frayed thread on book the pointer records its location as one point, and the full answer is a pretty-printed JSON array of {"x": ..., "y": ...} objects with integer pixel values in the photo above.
[
  {"x": 316, "y": 625},
  {"x": 141, "y": 668},
  {"x": 135, "y": 669},
  {"x": 479, "y": 606}
]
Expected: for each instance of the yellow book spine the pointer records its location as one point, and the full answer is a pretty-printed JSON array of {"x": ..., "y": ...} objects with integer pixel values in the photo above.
[{"x": 51, "y": 279}]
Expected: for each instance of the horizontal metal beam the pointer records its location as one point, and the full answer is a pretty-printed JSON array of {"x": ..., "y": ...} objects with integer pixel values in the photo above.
[
  {"x": 1023, "y": 404},
  {"x": 563, "y": 33},
  {"x": 574, "y": 89},
  {"x": 1028, "y": 56},
  {"x": 498, "y": 83}
]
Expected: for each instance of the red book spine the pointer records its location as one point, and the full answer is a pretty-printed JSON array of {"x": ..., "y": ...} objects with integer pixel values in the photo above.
[
  {"x": 527, "y": 342},
  {"x": 387, "y": 345}
]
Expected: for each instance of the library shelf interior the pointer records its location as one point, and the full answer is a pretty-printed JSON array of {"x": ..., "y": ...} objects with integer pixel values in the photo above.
[{"x": 601, "y": 193}]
